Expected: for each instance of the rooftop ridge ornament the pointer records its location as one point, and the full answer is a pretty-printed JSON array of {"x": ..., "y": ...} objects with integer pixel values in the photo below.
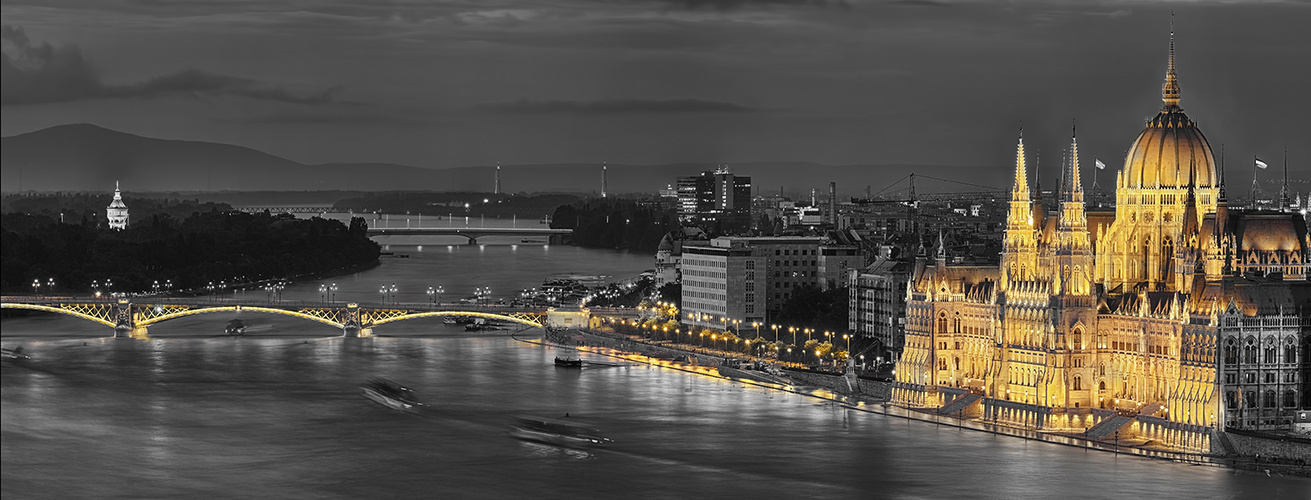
[{"x": 1170, "y": 91}]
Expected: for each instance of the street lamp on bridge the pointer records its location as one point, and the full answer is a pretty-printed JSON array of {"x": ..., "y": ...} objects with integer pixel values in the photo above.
[{"x": 274, "y": 290}]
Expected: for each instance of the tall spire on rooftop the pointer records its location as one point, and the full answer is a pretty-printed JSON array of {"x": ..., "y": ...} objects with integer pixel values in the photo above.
[
  {"x": 1170, "y": 91},
  {"x": 1020, "y": 191},
  {"x": 1071, "y": 186}
]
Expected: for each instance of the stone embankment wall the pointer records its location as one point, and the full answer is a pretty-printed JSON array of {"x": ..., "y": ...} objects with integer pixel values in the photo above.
[
  {"x": 569, "y": 337},
  {"x": 1270, "y": 449},
  {"x": 836, "y": 383},
  {"x": 839, "y": 384}
]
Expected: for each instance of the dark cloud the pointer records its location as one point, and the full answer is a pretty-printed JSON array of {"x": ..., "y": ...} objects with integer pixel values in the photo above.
[
  {"x": 613, "y": 106},
  {"x": 34, "y": 73},
  {"x": 737, "y": 4},
  {"x": 399, "y": 119}
]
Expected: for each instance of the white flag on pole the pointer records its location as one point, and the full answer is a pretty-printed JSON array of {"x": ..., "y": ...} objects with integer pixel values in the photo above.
[
  {"x": 1259, "y": 163},
  {"x": 1100, "y": 165}
]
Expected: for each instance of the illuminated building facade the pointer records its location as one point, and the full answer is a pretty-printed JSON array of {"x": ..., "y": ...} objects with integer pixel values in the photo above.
[
  {"x": 1171, "y": 319},
  {"x": 718, "y": 199},
  {"x": 116, "y": 213}
]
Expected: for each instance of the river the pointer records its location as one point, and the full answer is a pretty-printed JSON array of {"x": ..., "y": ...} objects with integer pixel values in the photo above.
[{"x": 277, "y": 414}]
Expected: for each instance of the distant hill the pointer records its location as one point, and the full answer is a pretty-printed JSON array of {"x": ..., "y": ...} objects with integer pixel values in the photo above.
[{"x": 85, "y": 157}]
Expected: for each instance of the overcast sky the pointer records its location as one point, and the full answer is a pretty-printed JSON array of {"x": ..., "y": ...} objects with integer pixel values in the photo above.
[{"x": 456, "y": 83}]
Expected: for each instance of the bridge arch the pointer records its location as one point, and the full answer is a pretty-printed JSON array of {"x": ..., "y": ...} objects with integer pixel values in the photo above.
[
  {"x": 212, "y": 309},
  {"x": 68, "y": 312},
  {"x": 476, "y": 314}
]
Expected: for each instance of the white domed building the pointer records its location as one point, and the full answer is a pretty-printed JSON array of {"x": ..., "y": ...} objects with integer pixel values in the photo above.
[{"x": 116, "y": 213}]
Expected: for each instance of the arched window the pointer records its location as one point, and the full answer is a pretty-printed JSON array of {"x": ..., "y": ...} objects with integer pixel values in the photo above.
[
  {"x": 1231, "y": 399},
  {"x": 1269, "y": 399},
  {"x": 1290, "y": 399},
  {"x": 1078, "y": 383},
  {"x": 1101, "y": 386},
  {"x": 957, "y": 361},
  {"x": 1078, "y": 338},
  {"x": 1290, "y": 351},
  {"x": 1271, "y": 355},
  {"x": 942, "y": 323},
  {"x": 1249, "y": 351},
  {"x": 1231, "y": 352},
  {"x": 942, "y": 364}
]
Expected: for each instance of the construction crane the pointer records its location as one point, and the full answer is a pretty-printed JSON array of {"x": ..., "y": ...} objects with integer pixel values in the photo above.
[{"x": 912, "y": 200}]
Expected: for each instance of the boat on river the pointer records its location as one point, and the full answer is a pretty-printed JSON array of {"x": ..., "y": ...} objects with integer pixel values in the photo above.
[
  {"x": 235, "y": 327},
  {"x": 390, "y": 394},
  {"x": 569, "y": 362},
  {"x": 14, "y": 354},
  {"x": 557, "y": 431}
]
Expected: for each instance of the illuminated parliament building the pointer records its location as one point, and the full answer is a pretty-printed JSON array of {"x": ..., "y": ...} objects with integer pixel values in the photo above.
[{"x": 1168, "y": 318}]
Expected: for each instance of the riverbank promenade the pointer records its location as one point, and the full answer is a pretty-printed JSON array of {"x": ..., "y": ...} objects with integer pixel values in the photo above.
[{"x": 872, "y": 396}]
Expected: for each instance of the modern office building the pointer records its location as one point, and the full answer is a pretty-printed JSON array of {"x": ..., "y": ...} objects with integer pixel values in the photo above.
[
  {"x": 749, "y": 278},
  {"x": 717, "y": 200}
]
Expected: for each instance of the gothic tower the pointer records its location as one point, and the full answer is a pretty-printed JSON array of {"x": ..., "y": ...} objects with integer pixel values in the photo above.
[{"x": 1019, "y": 258}]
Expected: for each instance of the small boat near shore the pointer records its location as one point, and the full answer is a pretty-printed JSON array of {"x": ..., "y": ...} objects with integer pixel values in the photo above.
[
  {"x": 568, "y": 362},
  {"x": 557, "y": 431},
  {"x": 390, "y": 394},
  {"x": 761, "y": 373}
]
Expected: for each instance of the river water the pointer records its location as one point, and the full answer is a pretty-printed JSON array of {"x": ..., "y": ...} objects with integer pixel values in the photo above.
[{"x": 278, "y": 414}]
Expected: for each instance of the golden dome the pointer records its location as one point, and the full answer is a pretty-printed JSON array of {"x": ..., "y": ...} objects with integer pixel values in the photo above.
[{"x": 1170, "y": 151}]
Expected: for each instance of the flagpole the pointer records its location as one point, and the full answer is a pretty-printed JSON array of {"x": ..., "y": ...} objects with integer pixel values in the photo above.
[{"x": 1254, "y": 160}]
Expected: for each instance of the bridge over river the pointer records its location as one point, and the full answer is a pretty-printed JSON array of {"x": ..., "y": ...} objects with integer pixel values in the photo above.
[
  {"x": 473, "y": 233},
  {"x": 130, "y": 317}
]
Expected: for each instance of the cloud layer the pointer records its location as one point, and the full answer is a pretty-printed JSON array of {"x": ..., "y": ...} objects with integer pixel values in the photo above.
[
  {"x": 36, "y": 73},
  {"x": 610, "y": 106}
]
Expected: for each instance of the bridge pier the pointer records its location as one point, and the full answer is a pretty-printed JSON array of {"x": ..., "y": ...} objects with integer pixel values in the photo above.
[
  {"x": 130, "y": 332},
  {"x": 356, "y": 332}
]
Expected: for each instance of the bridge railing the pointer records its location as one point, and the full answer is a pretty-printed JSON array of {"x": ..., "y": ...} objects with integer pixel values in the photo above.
[{"x": 282, "y": 303}]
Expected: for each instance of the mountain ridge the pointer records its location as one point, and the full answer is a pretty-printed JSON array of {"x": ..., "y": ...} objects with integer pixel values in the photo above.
[{"x": 87, "y": 157}]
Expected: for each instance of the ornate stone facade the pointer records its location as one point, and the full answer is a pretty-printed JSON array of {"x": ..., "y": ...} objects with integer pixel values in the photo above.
[{"x": 1172, "y": 319}]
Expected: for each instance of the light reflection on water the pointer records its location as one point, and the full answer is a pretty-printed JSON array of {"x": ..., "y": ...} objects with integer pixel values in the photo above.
[
  {"x": 278, "y": 414},
  {"x": 282, "y": 417}
]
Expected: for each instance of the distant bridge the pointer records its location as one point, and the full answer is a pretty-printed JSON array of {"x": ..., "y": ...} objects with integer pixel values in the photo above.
[
  {"x": 283, "y": 209},
  {"x": 130, "y": 317},
  {"x": 472, "y": 233}
]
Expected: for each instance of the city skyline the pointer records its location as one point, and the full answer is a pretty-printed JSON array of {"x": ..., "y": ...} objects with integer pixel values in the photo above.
[{"x": 448, "y": 85}]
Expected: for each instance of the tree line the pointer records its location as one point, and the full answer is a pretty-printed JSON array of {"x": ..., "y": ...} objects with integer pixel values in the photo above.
[
  {"x": 616, "y": 224},
  {"x": 189, "y": 253}
]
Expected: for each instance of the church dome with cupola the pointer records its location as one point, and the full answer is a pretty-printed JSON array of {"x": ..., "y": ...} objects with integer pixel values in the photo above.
[{"x": 1170, "y": 152}]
